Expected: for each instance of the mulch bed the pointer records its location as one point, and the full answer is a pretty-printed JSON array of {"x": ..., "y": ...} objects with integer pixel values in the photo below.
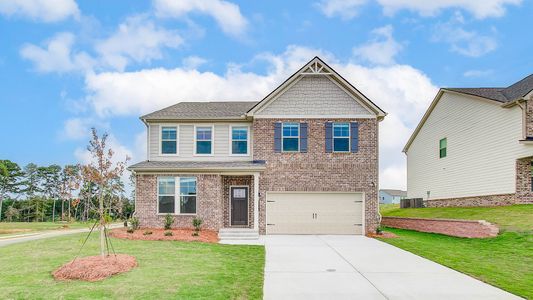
[
  {"x": 95, "y": 268},
  {"x": 180, "y": 234},
  {"x": 382, "y": 235}
]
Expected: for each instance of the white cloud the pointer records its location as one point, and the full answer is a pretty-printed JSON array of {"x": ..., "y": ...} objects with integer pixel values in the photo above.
[
  {"x": 462, "y": 41},
  {"x": 40, "y": 10},
  {"x": 193, "y": 62},
  {"x": 137, "y": 39},
  {"x": 57, "y": 55},
  {"x": 381, "y": 49},
  {"x": 478, "y": 73},
  {"x": 346, "y": 9},
  {"x": 227, "y": 15},
  {"x": 480, "y": 9},
  {"x": 401, "y": 90},
  {"x": 75, "y": 129}
]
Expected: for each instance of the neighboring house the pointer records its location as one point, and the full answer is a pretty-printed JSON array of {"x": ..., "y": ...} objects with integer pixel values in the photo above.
[
  {"x": 474, "y": 147},
  {"x": 304, "y": 160},
  {"x": 387, "y": 196}
]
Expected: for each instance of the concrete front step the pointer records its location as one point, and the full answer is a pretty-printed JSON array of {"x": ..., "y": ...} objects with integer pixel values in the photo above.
[{"x": 237, "y": 234}]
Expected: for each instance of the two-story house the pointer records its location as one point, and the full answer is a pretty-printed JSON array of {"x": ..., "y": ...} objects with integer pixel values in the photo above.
[
  {"x": 304, "y": 160},
  {"x": 474, "y": 147}
]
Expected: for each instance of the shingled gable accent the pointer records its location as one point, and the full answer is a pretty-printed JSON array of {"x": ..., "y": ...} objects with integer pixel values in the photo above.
[{"x": 317, "y": 67}]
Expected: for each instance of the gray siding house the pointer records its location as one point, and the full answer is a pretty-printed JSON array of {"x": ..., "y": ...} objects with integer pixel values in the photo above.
[{"x": 387, "y": 196}]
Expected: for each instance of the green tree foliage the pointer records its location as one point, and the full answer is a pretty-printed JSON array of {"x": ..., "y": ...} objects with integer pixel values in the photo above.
[{"x": 10, "y": 180}]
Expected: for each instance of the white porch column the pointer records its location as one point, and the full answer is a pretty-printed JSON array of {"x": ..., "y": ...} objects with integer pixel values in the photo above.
[{"x": 256, "y": 201}]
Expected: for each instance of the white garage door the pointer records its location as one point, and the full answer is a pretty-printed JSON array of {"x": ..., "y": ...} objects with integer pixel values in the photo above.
[{"x": 314, "y": 213}]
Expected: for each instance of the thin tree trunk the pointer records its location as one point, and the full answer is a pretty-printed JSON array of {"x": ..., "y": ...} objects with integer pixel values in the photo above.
[
  {"x": 69, "y": 210},
  {"x": 102, "y": 234},
  {"x": 62, "y": 209},
  {"x": 1, "y": 201},
  {"x": 54, "y": 211}
]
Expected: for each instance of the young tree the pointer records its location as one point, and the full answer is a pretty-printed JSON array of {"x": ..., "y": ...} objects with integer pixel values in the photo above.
[
  {"x": 11, "y": 213},
  {"x": 10, "y": 180},
  {"x": 102, "y": 172},
  {"x": 69, "y": 181},
  {"x": 50, "y": 183}
]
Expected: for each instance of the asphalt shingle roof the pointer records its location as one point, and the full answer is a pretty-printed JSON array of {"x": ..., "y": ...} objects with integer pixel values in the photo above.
[
  {"x": 202, "y": 110},
  {"x": 395, "y": 192},
  {"x": 502, "y": 94},
  {"x": 197, "y": 165}
]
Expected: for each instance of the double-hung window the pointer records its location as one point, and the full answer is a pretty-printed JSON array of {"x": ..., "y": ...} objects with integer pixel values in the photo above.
[
  {"x": 239, "y": 140},
  {"x": 173, "y": 189},
  {"x": 204, "y": 140},
  {"x": 443, "y": 145},
  {"x": 169, "y": 140},
  {"x": 341, "y": 137},
  {"x": 291, "y": 137}
]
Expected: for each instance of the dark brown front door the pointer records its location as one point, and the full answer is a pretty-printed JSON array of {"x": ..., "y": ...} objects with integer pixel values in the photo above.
[{"x": 239, "y": 205}]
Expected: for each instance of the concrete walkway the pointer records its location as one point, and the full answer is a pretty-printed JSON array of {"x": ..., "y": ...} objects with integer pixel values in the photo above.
[
  {"x": 357, "y": 267},
  {"x": 8, "y": 240}
]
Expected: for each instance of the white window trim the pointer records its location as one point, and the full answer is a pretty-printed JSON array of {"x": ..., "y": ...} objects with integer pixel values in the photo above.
[
  {"x": 212, "y": 140},
  {"x": 177, "y": 197},
  {"x": 333, "y": 137},
  {"x": 231, "y": 140},
  {"x": 291, "y": 137},
  {"x": 161, "y": 139}
]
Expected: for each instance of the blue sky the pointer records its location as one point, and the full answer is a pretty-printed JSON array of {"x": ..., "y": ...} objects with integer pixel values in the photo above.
[{"x": 71, "y": 65}]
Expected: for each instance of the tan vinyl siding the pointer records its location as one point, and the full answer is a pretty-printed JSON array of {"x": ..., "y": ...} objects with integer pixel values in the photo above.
[
  {"x": 314, "y": 95},
  {"x": 482, "y": 148},
  {"x": 221, "y": 143}
]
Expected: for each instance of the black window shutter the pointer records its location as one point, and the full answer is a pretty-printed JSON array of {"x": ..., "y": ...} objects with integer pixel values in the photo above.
[
  {"x": 303, "y": 137},
  {"x": 277, "y": 137},
  {"x": 354, "y": 133},
  {"x": 329, "y": 137}
]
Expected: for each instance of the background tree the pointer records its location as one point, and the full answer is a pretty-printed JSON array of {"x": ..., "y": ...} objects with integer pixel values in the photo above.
[
  {"x": 10, "y": 180},
  {"x": 50, "y": 182},
  {"x": 69, "y": 181},
  {"x": 102, "y": 172},
  {"x": 11, "y": 213}
]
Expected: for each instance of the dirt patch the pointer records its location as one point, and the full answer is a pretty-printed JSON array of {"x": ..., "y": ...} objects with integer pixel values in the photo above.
[
  {"x": 157, "y": 234},
  {"x": 95, "y": 268},
  {"x": 9, "y": 231},
  {"x": 383, "y": 235}
]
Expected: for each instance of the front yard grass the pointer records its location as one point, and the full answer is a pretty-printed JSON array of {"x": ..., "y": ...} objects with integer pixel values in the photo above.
[
  {"x": 27, "y": 227},
  {"x": 512, "y": 218},
  {"x": 166, "y": 270}
]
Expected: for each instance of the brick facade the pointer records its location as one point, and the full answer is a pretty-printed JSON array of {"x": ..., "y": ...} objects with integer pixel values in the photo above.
[
  {"x": 317, "y": 170},
  {"x": 208, "y": 202},
  {"x": 460, "y": 228},
  {"x": 489, "y": 200},
  {"x": 524, "y": 193}
]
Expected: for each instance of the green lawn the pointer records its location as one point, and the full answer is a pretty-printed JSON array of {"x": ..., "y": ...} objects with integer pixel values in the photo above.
[
  {"x": 505, "y": 261},
  {"x": 26, "y": 227},
  {"x": 512, "y": 218},
  {"x": 167, "y": 270}
]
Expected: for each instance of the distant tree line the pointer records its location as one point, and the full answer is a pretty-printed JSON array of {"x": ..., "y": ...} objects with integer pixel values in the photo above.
[{"x": 58, "y": 193}]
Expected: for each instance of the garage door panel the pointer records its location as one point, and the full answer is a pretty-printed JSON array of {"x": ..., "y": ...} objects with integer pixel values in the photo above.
[{"x": 314, "y": 213}]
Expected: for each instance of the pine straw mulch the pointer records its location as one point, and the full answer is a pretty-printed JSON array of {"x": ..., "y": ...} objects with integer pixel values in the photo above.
[
  {"x": 95, "y": 268},
  {"x": 179, "y": 234},
  {"x": 382, "y": 235}
]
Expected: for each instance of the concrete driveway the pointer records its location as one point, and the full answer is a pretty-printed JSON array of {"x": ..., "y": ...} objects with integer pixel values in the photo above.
[{"x": 357, "y": 267}]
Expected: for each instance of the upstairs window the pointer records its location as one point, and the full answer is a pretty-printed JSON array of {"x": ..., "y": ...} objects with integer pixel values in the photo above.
[
  {"x": 204, "y": 140},
  {"x": 239, "y": 140},
  {"x": 169, "y": 140},
  {"x": 341, "y": 137},
  {"x": 291, "y": 137},
  {"x": 443, "y": 143}
]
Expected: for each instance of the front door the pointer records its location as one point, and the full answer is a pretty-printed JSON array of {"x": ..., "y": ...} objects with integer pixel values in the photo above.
[{"x": 239, "y": 205}]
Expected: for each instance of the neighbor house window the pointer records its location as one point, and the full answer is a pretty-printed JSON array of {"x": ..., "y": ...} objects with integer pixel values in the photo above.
[
  {"x": 187, "y": 195},
  {"x": 169, "y": 140},
  {"x": 167, "y": 197},
  {"x": 443, "y": 143},
  {"x": 531, "y": 170},
  {"x": 290, "y": 137},
  {"x": 341, "y": 137},
  {"x": 239, "y": 140},
  {"x": 204, "y": 140}
]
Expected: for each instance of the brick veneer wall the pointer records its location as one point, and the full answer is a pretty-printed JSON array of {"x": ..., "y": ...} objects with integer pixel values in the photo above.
[
  {"x": 523, "y": 181},
  {"x": 489, "y": 200},
  {"x": 460, "y": 228},
  {"x": 317, "y": 170},
  {"x": 208, "y": 202},
  {"x": 227, "y": 182}
]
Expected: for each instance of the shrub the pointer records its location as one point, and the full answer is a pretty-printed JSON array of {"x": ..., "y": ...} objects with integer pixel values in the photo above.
[
  {"x": 196, "y": 222},
  {"x": 130, "y": 230},
  {"x": 147, "y": 233},
  {"x": 168, "y": 233},
  {"x": 134, "y": 223},
  {"x": 169, "y": 219},
  {"x": 379, "y": 230}
]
